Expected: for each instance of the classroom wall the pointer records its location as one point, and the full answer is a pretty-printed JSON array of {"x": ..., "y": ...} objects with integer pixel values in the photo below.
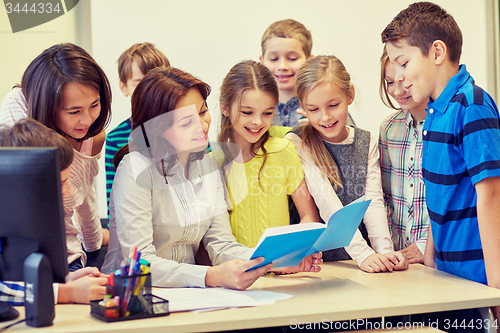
[
  {"x": 19, "y": 49},
  {"x": 206, "y": 38},
  {"x": 494, "y": 27}
]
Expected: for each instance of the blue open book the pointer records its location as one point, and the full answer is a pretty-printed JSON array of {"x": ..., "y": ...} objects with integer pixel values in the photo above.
[{"x": 288, "y": 245}]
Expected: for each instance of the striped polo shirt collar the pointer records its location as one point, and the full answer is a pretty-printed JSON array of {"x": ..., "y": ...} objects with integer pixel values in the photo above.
[{"x": 455, "y": 83}]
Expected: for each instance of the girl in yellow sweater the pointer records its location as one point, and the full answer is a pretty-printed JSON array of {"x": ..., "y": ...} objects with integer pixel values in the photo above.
[{"x": 260, "y": 170}]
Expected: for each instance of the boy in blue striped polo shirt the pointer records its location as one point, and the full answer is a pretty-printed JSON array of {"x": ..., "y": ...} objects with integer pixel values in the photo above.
[
  {"x": 461, "y": 143},
  {"x": 133, "y": 64}
]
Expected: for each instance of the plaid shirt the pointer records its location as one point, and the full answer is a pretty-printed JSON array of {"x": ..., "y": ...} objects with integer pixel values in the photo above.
[
  {"x": 400, "y": 146},
  {"x": 12, "y": 292}
]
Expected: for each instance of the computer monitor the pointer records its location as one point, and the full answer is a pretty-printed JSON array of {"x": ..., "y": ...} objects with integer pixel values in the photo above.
[{"x": 31, "y": 211}]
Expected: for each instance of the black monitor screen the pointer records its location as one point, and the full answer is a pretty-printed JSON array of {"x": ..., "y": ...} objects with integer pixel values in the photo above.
[{"x": 31, "y": 211}]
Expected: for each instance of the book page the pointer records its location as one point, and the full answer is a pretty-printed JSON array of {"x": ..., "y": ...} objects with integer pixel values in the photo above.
[{"x": 286, "y": 229}]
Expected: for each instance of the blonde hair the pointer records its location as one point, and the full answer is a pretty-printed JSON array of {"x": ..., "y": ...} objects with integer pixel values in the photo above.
[
  {"x": 243, "y": 76},
  {"x": 384, "y": 94},
  {"x": 289, "y": 29},
  {"x": 314, "y": 72}
]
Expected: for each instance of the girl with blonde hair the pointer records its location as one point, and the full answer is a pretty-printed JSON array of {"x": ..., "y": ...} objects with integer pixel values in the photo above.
[{"x": 341, "y": 161}]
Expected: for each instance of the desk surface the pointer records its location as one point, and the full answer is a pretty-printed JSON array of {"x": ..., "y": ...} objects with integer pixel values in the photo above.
[{"x": 341, "y": 291}]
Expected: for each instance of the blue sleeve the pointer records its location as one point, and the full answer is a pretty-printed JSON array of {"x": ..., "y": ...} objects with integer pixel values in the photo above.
[{"x": 479, "y": 141}]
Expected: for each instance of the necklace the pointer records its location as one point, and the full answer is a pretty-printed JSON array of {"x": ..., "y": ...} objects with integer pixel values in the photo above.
[{"x": 164, "y": 170}]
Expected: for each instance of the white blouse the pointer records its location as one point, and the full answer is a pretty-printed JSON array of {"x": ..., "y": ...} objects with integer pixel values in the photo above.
[{"x": 166, "y": 222}]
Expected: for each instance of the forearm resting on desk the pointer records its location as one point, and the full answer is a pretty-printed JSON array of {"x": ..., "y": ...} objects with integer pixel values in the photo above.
[{"x": 82, "y": 286}]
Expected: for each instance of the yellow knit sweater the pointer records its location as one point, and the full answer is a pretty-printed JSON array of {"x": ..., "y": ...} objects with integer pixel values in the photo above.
[{"x": 256, "y": 205}]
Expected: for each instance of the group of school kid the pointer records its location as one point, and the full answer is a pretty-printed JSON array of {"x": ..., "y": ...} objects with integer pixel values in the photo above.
[{"x": 285, "y": 153}]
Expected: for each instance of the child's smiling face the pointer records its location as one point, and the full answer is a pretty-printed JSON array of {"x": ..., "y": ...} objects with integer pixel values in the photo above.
[
  {"x": 416, "y": 71},
  {"x": 396, "y": 90},
  {"x": 252, "y": 116},
  {"x": 81, "y": 106},
  {"x": 326, "y": 108},
  {"x": 284, "y": 57}
]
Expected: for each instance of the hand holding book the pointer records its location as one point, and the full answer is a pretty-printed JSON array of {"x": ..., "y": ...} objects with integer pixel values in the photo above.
[
  {"x": 310, "y": 263},
  {"x": 287, "y": 246}
]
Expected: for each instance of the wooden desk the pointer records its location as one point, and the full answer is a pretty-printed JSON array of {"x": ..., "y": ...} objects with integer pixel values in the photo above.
[{"x": 341, "y": 291}]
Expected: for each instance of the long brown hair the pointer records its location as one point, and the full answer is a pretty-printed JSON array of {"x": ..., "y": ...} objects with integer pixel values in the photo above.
[
  {"x": 157, "y": 94},
  {"x": 384, "y": 94},
  {"x": 314, "y": 72},
  {"x": 44, "y": 78},
  {"x": 244, "y": 76}
]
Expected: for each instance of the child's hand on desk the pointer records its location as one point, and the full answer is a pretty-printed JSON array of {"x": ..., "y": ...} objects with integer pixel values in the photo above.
[
  {"x": 388, "y": 262},
  {"x": 233, "y": 274},
  {"x": 413, "y": 254},
  {"x": 399, "y": 260},
  {"x": 308, "y": 264},
  {"x": 82, "y": 286},
  {"x": 376, "y": 263}
]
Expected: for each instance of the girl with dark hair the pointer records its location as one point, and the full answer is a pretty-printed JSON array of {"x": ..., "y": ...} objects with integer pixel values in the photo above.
[{"x": 64, "y": 89}]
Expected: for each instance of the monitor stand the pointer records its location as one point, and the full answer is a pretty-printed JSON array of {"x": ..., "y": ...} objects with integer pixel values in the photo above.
[
  {"x": 38, "y": 291},
  {"x": 7, "y": 312}
]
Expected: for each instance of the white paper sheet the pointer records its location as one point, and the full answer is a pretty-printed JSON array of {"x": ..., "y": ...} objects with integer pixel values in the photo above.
[{"x": 189, "y": 299}]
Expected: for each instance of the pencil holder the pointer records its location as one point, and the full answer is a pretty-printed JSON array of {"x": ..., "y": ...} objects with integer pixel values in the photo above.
[{"x": 131, "y": 298}]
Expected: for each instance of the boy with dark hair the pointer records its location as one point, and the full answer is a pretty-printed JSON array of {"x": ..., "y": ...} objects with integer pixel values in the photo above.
[
  {"x": 133, "y": 64},
  {"x": 85, "y": 284},
  {"x": 461, "y": 143}
]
